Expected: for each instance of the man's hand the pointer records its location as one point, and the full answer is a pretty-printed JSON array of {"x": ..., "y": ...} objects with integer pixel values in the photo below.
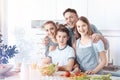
[{"x": 96, "y": 37}]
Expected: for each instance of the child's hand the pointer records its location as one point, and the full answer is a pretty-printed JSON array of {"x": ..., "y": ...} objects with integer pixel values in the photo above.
[
  {"x": 76, "y": 70},
  {"x": 75, "y": 66},
  {"x": 46, "y": 60}
]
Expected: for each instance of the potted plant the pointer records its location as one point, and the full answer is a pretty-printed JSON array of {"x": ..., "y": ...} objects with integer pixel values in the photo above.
[{"x": 6, "y": 52}]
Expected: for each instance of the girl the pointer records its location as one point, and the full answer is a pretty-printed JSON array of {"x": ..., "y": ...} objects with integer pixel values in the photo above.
[
  {"x": 88, "y": 53},
  {"x": 63, "y": 55}
]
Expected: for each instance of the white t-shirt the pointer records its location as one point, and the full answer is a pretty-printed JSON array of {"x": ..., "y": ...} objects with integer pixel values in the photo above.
[{"x": 62, "y": 56}]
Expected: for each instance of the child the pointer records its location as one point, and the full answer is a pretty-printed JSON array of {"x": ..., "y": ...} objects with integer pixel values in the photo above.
[
  {"x": 63, "y": 55},
  {"x": 87, "y": 52}
]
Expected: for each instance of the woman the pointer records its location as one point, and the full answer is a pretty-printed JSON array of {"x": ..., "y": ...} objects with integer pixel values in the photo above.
[{"x": 50, "y": 28}]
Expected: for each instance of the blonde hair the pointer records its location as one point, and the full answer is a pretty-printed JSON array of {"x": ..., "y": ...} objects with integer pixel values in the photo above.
[{"x": 50, "y": 22}]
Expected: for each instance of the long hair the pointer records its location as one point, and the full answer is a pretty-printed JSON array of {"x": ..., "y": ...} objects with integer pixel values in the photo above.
[{"x": 85, "y": 20}]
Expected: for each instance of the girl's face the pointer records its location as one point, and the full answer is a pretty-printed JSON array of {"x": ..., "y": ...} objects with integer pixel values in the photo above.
[
  {"x": 82, "y": 27},
  {"x": 50, "y": 30},
  {"x": 62, "y": 38}
]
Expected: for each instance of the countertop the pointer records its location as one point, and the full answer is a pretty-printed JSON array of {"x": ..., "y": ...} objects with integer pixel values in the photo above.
[{"x": 35, "y": 76}]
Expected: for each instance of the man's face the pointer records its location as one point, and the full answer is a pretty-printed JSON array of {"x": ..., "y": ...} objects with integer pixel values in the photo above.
[{"x": 71, "y": 19}]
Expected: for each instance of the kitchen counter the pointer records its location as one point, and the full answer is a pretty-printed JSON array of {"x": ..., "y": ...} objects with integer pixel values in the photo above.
[
  {"x": 36, "y": 76},
  {"x": 29, "y": 73},
  {"x": 112, "y": 69},
  {"x": 114, "y": 73}
]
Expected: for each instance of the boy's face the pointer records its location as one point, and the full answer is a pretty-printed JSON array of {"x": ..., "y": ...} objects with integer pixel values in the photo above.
[
  {"x": 62, "y": 38},
  {"x": 71, "y": 19}
]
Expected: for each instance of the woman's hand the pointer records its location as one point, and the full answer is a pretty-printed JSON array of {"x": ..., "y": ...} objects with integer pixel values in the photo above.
[{"x": 45, "y": 42}]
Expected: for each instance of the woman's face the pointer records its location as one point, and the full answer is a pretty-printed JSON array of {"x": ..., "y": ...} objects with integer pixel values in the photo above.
[
  {"x": 62, "y": 38},
  {"x": 82, "y": 27},
  {"x": 50, "y": 30}
]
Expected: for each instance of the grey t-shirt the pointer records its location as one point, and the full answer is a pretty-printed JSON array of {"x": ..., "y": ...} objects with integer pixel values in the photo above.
[{"x": 51, "y": 43}]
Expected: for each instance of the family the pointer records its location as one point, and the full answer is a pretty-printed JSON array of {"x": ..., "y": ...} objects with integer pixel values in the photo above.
[{"x": 75, "y": 45}]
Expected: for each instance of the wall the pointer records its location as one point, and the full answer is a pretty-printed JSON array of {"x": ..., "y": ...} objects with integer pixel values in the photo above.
[
  {"x": 99, "y": 12},
  {"x": 103, "y": 13},
  {"x": 113, "y": 37},
  {"x": 3, "y": 20}
]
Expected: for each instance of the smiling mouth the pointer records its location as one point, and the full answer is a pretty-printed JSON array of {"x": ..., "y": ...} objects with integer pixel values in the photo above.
[
  {"x": 72, "y": 23},
  {"x": 61, "y": 42}
]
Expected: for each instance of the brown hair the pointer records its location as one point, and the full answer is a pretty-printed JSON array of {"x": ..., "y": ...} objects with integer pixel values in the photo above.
[
  {"x": 62, "y": 28},
  {"x": 85, "y": 20},
  {"x": 70, "y": 10},
  {"x": 61, "y": 25}
]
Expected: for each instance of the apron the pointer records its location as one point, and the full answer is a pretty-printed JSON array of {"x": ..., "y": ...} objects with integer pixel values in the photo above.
[{"x": 86, "y": 57}]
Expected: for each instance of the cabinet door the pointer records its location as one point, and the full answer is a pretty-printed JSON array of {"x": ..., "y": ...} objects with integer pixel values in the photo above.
[
  {"x": 113, "y": 38},
  {"x": 104, "y": 14},
  {"x": 61, "y": 6},
  {"x": 81, "y": 7},
  {"x": 96, "y": 12}
]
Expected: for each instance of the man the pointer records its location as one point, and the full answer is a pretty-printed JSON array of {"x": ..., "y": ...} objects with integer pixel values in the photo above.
[{"x": 71, "y": 17}]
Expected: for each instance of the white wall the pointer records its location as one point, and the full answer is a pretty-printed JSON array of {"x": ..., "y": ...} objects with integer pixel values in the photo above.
[
  {"x": 3, "y": 20},
  {"x": 103, "y": 13},
  {"x": 114, "y": 41}
]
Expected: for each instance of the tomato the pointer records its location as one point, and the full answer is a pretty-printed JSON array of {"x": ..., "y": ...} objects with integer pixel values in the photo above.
[
  {"x": 79, "y": 74},
  {"x": 67, "y": 74}
]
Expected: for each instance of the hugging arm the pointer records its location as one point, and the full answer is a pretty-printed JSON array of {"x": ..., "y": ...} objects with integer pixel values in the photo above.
[
  {"x": 97, "y": 35},
  {"x": 67, "y": 67}
]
